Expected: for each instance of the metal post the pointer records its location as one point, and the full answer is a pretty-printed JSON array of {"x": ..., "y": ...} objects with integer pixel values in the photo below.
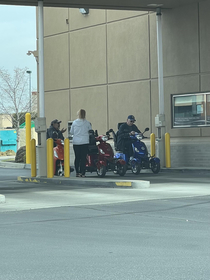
[
  {"x": 41, "y": 59},
  {"x": 33, "y": 158},
  {"x": 66, "y": 158},
  {"x": 42, "y": 154},
  {"x": 28, "y": 137},
  {"x": 29, "y": 72},
  {"x": 160, "y": 62},
  {"x": 152, "y": 144},
  {"x": 50, "y": 158},
  {"x": 160, "y": 118},
  {"x": 168, "y": 150}
]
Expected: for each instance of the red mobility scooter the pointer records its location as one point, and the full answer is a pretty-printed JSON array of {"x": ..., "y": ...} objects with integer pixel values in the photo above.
[
  {"x": 100, "y": 157},
  {"x": 58, "y": 158}
]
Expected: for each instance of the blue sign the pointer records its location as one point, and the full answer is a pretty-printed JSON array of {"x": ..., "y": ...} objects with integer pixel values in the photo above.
[{"x": 8, "y": 140}]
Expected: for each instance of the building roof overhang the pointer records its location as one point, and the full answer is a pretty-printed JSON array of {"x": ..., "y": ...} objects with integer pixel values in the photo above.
[{"x": 106, "y": 4}]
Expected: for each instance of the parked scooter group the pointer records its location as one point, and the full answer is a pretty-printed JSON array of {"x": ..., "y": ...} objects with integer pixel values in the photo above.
[{"x": 101, "y": 157}]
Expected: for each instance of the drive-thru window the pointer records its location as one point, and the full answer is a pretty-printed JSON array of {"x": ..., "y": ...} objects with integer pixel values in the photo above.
[{"x": 191, "y": 110}]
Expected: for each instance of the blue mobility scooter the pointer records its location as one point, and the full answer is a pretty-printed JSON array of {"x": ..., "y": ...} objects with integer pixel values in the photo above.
[{"x": 141, "y": 158}]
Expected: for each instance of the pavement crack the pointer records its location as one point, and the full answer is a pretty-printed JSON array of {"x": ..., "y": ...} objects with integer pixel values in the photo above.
[{"x": 112, "y": 214}]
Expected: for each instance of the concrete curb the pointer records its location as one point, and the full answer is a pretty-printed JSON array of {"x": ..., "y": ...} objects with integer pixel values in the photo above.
[
  {"x": 107, "y": 183},
  {"x": 185, "y": 169},
  {"x": 14, "y": 165},
  {"x": 2, "y": 198}
]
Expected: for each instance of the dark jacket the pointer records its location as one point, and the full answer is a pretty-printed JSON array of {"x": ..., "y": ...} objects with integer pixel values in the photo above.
[
  {"x": 123, "y": 137},
  {"x": 54, "y": 134}
]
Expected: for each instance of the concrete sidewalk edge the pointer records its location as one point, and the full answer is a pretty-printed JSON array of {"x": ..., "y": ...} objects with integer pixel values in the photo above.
[
  {"x": 2, "y": 198},
  {"x": 15, "y": 165},
  {"x": 108, "y": 183},
  {"x": 185, "y": 169}
]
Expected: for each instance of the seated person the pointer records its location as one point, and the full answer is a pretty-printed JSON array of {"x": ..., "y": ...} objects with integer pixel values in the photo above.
[
  {"x": 124, "y": 142},
  {"x": 54, "y": 131}
]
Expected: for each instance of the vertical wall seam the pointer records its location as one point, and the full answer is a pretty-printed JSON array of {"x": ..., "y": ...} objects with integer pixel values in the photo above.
[
  {"x": 69, "y": 64},
  {"x": 199, "y": 48},
  {"x": 107, "y": 88}
]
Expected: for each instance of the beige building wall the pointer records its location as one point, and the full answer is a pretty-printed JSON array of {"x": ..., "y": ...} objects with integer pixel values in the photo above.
[
  {"x": 23, "y": 136},
  {"x": 5, "y": 121},
  {"x": 106, "y": 63}
]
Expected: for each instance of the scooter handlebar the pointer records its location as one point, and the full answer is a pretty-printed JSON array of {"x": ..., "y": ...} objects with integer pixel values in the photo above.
[{"x": 138, "y": 136}]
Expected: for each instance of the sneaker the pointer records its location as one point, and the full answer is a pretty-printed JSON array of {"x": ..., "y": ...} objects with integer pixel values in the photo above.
[{"x": 71, "y": 169}]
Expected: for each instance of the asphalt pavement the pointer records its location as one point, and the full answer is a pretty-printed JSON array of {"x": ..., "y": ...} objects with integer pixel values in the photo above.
[
  {"x": 159, "y": 239},
  {"x": 90, "y": 232},
  {"x": 26, "y": 195},
  {"x": 57, "y": 192}
]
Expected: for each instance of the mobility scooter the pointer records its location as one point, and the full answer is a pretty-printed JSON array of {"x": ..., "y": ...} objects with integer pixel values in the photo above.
[
  {"x": 141, "y": 159},
  {"x": 58, "y": 158},
  {"x": 101, "y": 158}
]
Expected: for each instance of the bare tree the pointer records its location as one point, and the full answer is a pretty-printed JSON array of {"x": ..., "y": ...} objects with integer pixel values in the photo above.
[{"x": 14, "y": 97}]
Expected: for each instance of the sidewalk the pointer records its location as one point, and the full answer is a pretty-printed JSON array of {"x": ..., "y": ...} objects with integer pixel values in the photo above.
[{"x": 9, "y": 164}]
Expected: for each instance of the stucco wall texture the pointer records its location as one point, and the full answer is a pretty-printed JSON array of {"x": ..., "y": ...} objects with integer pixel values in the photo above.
[{"x": 106, "y": 63}]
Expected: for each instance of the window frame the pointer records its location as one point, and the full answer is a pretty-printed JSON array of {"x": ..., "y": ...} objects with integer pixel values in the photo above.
[{"x": 205, "y": 94}]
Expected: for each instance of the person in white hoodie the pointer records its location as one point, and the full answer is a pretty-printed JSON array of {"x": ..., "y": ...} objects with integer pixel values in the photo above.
[{"x": 80, "y": 131}]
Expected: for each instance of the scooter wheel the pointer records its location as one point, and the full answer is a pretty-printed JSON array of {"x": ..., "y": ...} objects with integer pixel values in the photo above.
[
  {"x": 101, "y": 171},
  {"x": 59, "y": 173},
  {"x": 155, "y": 167},
  {"x": 122, "y": 169},
  {"x": 135, "y": 168}
]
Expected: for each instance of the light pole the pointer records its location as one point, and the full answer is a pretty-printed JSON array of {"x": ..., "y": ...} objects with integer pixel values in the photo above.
[{"x": 29, "y": 72}]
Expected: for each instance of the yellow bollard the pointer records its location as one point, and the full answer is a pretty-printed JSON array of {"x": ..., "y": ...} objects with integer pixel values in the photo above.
[
  {"x": 50, "y": 169},
  {"x": 66, "y": 158},
  {"x": 167, "y": 150},
  {"x": 33, "y": 158},
  {"x": 28, "y": 136},
  {"x": 152, "y": 144}
]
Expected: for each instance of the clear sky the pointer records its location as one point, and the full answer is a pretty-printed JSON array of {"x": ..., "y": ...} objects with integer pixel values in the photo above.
[{"x": 17, "y": 37}]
